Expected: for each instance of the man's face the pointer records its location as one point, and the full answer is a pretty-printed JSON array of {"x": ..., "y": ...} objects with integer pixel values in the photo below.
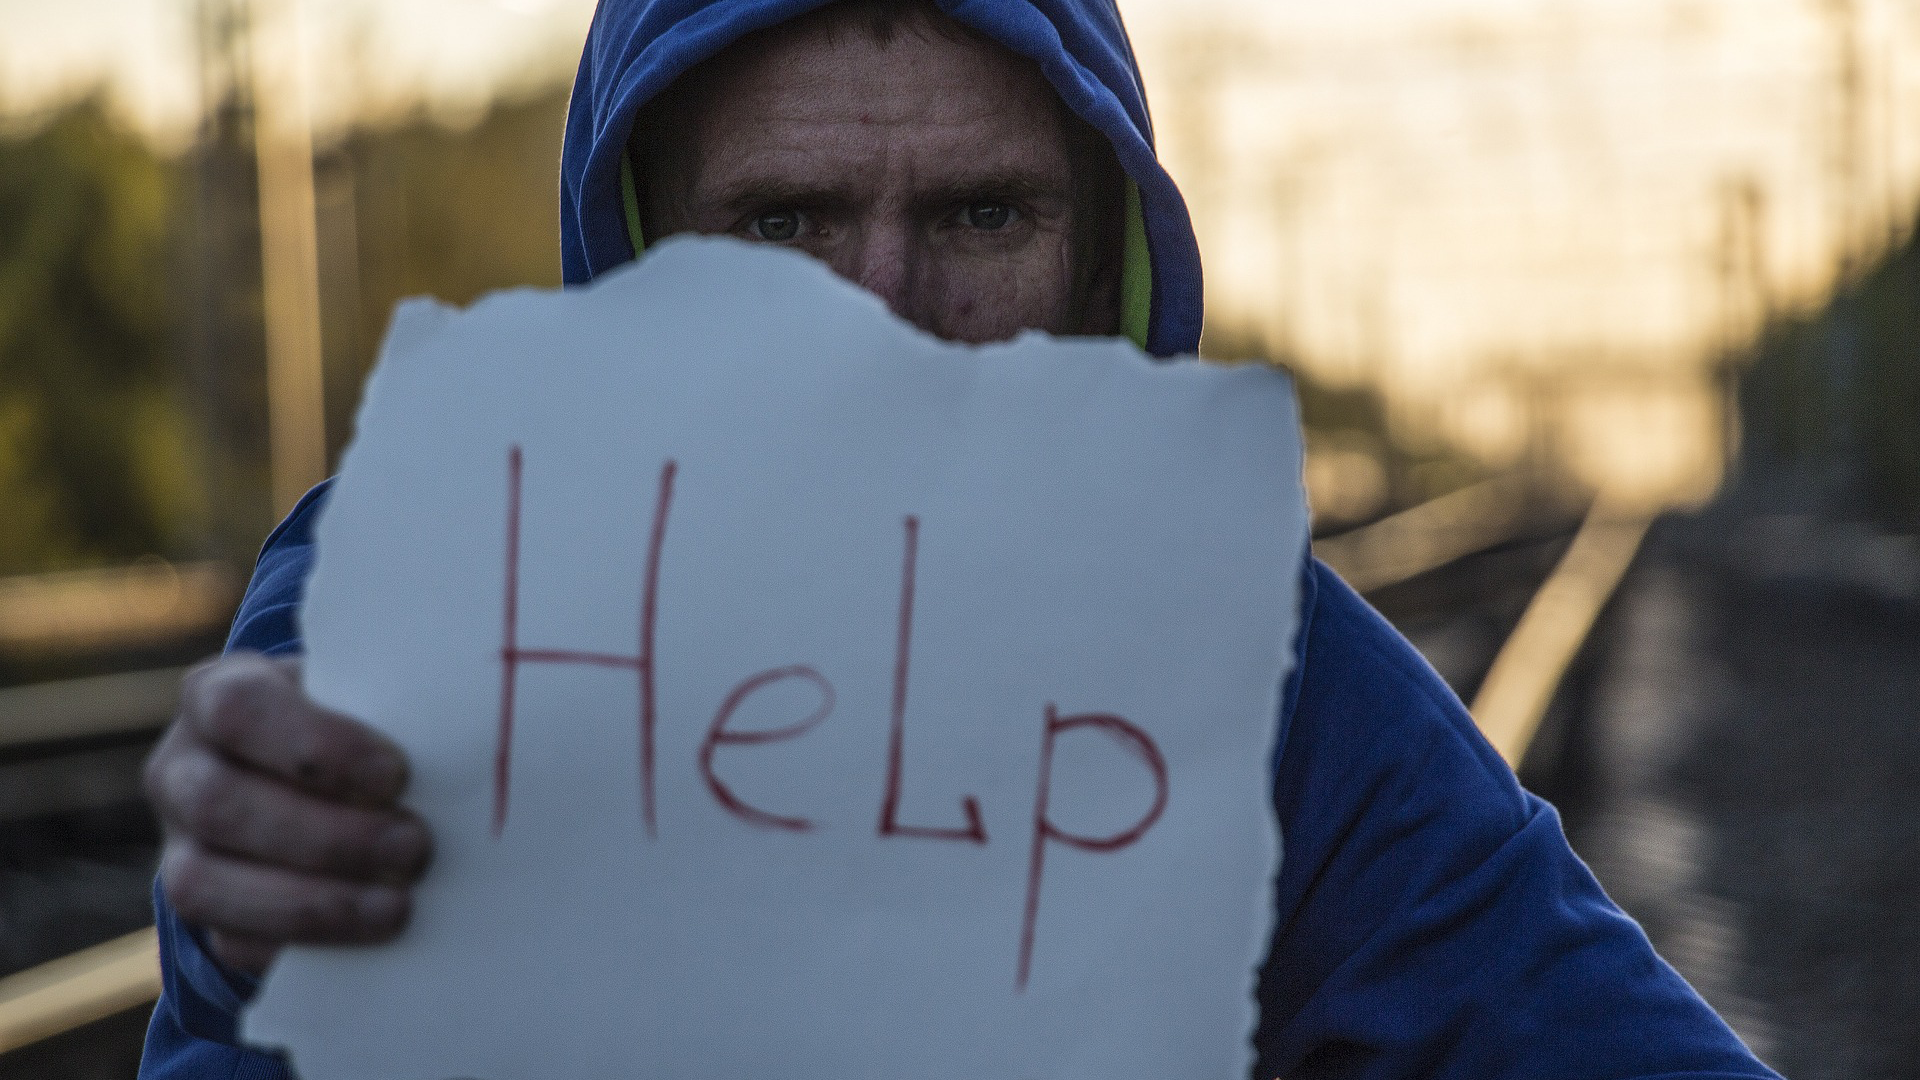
[{"x": 935, "y": 169}]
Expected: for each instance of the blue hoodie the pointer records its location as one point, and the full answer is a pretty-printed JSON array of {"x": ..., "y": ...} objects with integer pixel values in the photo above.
[{"x": 1430, "y": 920}]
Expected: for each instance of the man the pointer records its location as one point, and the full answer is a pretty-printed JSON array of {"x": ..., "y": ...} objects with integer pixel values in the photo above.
[{"x": 984, "y": 171}]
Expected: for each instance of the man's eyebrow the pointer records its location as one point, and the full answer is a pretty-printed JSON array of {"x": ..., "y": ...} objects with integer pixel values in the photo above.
[
  {"x": 1024, "y": 185},
  {"x": 756, "y": 193},
  {"x": 1017, "y": 185}
]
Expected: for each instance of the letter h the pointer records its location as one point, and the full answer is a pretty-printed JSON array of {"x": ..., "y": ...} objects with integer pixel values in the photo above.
[{"x": 512, "y": 654}]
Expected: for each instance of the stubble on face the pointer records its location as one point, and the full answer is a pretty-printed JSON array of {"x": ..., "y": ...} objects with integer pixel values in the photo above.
[{"x": 930, "y": 165}]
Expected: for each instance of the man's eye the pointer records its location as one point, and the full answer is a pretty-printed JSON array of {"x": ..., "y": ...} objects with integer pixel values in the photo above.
[
  {"x": 775, "y": 227},
  {"x": 988, "y": 215}
]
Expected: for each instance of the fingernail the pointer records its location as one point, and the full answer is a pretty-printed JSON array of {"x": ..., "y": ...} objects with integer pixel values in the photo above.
[
  {"x": 401, "y": 846},
  {"x": 380, "y": 906}
]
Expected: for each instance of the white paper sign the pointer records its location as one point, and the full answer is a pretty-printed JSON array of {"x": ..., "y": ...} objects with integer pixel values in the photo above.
[{"x": 792, "y": 694}]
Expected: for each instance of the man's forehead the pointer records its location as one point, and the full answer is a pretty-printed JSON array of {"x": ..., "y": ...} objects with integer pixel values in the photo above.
[
  {"x": 818, "y": 110},
  {"x": 850, "y": 162},
  {"x": 861, "y": 22},
  {"x": 776, "y": 181},
  {"x": 802, "y": 71}
]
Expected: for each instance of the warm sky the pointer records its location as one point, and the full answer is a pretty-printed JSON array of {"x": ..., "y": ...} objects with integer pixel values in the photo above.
[
  {"x": 1533, "y": 215},
  {"x": 453, "y": 52},
  {"x": 1486, "y": 207}
]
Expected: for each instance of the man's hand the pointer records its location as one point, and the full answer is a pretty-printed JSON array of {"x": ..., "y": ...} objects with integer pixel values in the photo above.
[{"x": 281, "y": 818}]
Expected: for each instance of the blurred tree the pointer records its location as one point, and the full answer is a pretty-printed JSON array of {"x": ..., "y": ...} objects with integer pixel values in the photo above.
[
  {"x": 95, "y": 450},
  {"x": 1832, "y": 399},
  {"x": 130, "y": 390},
  {"x": 419, "y": 207},
  {"x": 1348, "y": 428}
]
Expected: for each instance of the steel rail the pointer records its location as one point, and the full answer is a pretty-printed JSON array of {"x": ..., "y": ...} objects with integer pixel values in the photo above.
[
  {"x": 118, "y": 607},
  {"x": 1527, "y": 671},
  {"x": 83, "y": 708},
  {"x": 78, "y": 989},
  {"x": 1430, "y": 535}
]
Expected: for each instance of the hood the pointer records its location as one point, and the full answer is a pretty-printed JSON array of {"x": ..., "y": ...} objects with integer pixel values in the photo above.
[{"x": 636, "y": 47}]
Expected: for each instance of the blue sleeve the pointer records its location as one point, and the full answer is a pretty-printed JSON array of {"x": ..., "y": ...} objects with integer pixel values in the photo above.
[
  {"x": 191, "y": 1035},
  {"x": 1431, "y": 920}
]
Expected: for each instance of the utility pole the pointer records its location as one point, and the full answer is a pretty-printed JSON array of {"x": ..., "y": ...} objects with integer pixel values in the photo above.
[
  {"x": 289, "y": 252},
  {"x": 1742, "y": 269},
  {"x": 224, "y": 347},
  {"x": 1847, "y": 148},
  {"x": 1895, "y": 33}
]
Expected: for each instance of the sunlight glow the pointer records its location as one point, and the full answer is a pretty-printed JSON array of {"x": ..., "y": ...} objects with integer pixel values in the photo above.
[
  {"x": 1536, "y": 226},
  {"x": 1521, "y": 217}
]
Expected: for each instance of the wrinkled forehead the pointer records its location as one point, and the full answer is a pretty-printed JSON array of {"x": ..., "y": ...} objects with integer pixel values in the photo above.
[{"x": 820, "y": 67}]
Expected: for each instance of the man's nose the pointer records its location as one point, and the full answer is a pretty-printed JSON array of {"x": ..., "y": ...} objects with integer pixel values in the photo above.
[{"x": 883, "y": 262}]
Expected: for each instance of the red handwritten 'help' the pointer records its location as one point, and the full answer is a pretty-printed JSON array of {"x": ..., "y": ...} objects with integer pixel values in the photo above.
[{"x": 513, "y": 654}]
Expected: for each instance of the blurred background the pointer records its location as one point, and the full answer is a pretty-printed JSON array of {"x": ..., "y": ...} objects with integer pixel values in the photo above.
[{"x": 1605, "y": 316}]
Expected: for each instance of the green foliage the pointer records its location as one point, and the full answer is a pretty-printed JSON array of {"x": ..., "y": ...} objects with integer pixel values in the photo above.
[
  {"x": 1354, "y": 419},
  {"x": 95, "y": 452},
  {"x": 98, "y": 460},
  {"x": 417, "y": 208},
  {"x": 456, "y": 213},
  {"x": 1837, "y": 393}
]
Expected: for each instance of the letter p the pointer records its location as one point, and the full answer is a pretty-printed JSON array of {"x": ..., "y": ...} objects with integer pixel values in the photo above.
[{"x": 1136, "y": 742}]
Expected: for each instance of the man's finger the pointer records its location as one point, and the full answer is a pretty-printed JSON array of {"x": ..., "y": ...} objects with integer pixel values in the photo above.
[
  {"x": 240, "y": 953},
  {"x": 252, "y": 709},
  {"x": 232, "y": 810},
  {"x": 247, "y": 899}
]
